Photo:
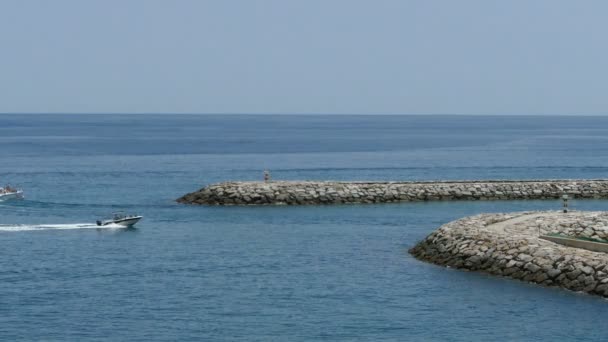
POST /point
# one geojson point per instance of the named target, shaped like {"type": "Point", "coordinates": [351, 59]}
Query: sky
{"type": "Point", "coordinates": [304, 56]}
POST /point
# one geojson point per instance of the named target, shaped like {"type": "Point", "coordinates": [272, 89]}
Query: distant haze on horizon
{"type": "Point", "coordinates": [477, 57]}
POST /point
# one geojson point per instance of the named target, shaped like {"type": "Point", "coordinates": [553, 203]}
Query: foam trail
{"type": "Point", "coordinates": [29, 227]}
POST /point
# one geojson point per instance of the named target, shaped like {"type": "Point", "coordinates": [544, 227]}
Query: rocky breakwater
{"type": "Point", "coordinates": [301, 192]}
{"type": "Point", "coordinates": [509, 245]}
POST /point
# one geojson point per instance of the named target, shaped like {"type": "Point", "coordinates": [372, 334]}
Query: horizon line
{"type": "Point", "coordinates": [287, 114]}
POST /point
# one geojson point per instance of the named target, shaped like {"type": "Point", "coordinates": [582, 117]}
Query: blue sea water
{"type": "Point", "coordinates": [338, 273]}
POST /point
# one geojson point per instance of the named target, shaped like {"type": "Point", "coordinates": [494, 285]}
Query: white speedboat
{"type": "Point", "coordinates": [9, 193]}
{"type": "Point", "coordinates": [121, 220]}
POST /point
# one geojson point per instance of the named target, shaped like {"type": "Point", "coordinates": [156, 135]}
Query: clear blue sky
{"type": "Point", "coordinates": [304, 56]}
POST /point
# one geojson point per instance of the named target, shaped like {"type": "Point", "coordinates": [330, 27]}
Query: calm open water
{"type": "Point", "coordinates": [272, 273]}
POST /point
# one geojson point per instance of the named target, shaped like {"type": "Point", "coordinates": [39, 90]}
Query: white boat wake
{"type": "Point", "coordinates": [29, 227]}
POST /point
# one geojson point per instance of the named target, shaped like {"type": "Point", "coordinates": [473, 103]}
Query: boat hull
{"type": "Point", "coordinates": [126, 222]}
{"type": "Point", "coordinates": [130, 222]}
{"type": "Point", "coordinates": [11, 196]}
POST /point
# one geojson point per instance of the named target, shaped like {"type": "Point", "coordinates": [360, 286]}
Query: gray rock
{"type": "Point", "coordinates": [517, 251]}
{"type": "Point", "coordinates": [368, 192]}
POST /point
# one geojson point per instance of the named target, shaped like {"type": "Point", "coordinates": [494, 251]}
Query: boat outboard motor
{"type": "Point", "coordinates": [98, 223]}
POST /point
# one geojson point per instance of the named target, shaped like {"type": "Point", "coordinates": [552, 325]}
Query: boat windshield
{"type": "Point", "coordinates": [120, 216]}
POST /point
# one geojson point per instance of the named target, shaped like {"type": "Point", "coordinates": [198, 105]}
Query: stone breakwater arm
{"type": "Point", "coordinates": [509, 245]}
{"type": "Point", "coordinates": [301, 192]}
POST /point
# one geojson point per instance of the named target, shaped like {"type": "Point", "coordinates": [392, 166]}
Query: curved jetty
{"type": "Point", "coordinates": [519, 246]}
{"type": "Point", "coordinates": [313, 192]}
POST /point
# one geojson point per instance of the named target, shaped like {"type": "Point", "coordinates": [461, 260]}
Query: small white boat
{"type": "Point", "coordinates": [10, 193]}
{"type": "Point", "coordinates": [121, 220]}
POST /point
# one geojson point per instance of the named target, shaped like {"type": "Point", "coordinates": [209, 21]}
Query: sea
{"type": "Point", "coordinates": [298, 273]}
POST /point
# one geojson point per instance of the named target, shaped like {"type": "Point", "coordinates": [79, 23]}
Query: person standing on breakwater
{"type": "Point", "coordinates": [266, 176]}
